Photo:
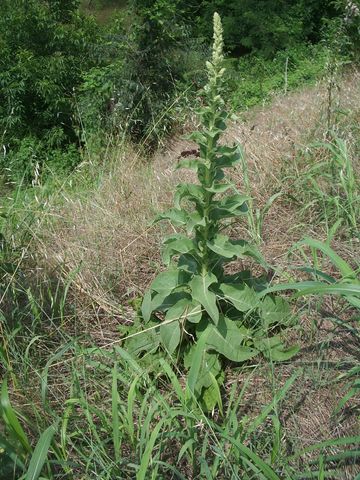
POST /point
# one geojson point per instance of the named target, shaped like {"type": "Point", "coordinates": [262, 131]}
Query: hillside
{"type": "Point", "coordinates": [179, 240]}
{"type": "Point", "coordinates": [99, 245]}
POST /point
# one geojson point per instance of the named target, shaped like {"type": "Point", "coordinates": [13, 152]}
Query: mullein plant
{"type": "Point", "coordinates": [195, 303]}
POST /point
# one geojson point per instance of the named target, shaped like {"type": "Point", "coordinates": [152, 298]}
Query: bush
{"type": "Point", "coordinates": [44, 48]}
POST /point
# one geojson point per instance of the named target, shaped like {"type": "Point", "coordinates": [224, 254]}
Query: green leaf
{"type": "Point", "coordinates": [230, 157]}
{"type": "Point", "coordinates": [176, 244]}
{"type": "Point", "coordinates": [274, 310]}
{"type": "Point", "coordinates": [211, 395]}
{"type": "Point", "coordinates": [189, 191]}
{"type": "Point", "coordinates": [146, 309]}
{"type": "Point", "coordinates": [339, 263]}
{"type": "Point", "coordinates": [200, 291]}
{"type": "Point", "coordinates": [241, 296]}
{"type": "Point", "coordinates": [144, 341]}
{"type": "Point", "coordinates": [162, 302]}
{"type": "Point", "coordinates": [218, 187]}
{"type": "Point", "coordinates": [194, 220]}
{"type": "Point", "coordinates": [231, 206]}
{"type": "Point", "coordinates": [143, 473]}
{"type": "Point", "coordinates": [188, 263]}
{"type": "Point", "coordinates": [170, 335]}
{"type": "Point", "coordinates": [40, 453]}
{"type": "Point", "coordinates": [227, 339]}
{"type": "Point", "coordinates": [190, 163]}
{"type": "Point", "coordinates": [167, 281]}
{"type": "Point", "coordinates": [235, 248]}
{"type": "Point", "coordinates": [199, 351]}
{"type": "Point", "coordinates": [185, 309]}
{"type": "Point", "coordinates": [274, 349]}
{"type": "Point", "coordinates": [177, 217]}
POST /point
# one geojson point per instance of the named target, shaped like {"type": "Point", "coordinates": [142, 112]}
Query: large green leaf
{"type": "Point", "coordinates": [167, 281]}
{"type": "Point", "coordinates": [274, 349]}
{"type": "Point", "coordinates": [176, 216]}
{"type": "Point", "coordinates": [227, 248]}
{"type": "Point", "coordinates": [143, 341]}
{"type": "Point", "coordinates": [229, 156]}
{"type": "Point", "coordinates": [274, 310]}
{"type": "Point", "coordinates": [227, 339]}
{"type": "Point", "coordinates": [200, 291]}
{"type": "Point", "coordinates": [162, 302]}
{"type": "Point", "coordinates": [231, 206]}
{"type": "Point", "coordinates": [211, 395]}
{"type": "Point", "coordinates": [209, 363]}
{"type": "Point", "coordinates": [176, 244]}
{"type": "Point", "coordinates": [146, 309]}
{"type": "Point", "coordinates": [170, 335]}
{"type": "Point", "coordinates": [189, 191]}
{"type": "Point", "coordinates": [163, 286]}
{"type": "Point", "coordinates": [241, 296]}
{"type": "Point", "coordinates": [185, 309]}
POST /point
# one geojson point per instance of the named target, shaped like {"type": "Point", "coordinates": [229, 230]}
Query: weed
{"type": "Point", "coordinates": [195, 299]}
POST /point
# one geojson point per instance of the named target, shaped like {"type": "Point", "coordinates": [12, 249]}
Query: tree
{"type": "Point", "coordinates": [44, 49]}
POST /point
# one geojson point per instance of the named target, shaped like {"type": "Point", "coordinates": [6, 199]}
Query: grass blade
{"type": "Point", "coordinates": [40, 453]}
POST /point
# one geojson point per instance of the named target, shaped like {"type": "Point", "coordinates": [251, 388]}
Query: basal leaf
{"type": "Point", "coordinates": [146, 309]}
{"type": "Point", "coordinates": [211, 395]}
{"type": "Point", "coordinates": [241, 296]}
{"type": "Point", "coordinates": [170, 335]}
{"type": "Point", "coordinates": [185, 309]}
{"type": "Point", "coordinates": [162, 302]}
{"type": "Point", "coordinates": [166, 281]}
{"type": "Point", "coordinates": [274, 349]}
{"type": "Point", "coordinates": [144, 341]}
{"type": "Point", "coordinates": [200, 291]}
{"type": "Point", "coordinates": [274, 310]}
{"type": "Point", "coordinates": [227, 339]}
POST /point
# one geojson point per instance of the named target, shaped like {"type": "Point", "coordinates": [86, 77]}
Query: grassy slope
{"type": "Point", "coordinates": [99, 243]}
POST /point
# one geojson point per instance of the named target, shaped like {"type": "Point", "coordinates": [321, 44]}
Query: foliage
{"type": "Point", "coordinates": [195, 296]}
{"type": "Point", "coordinates": [266, 26]}
{"type": "Point", "coordinates": [44, 48]}
{"type": "Point", "coordinates": [261, 78]}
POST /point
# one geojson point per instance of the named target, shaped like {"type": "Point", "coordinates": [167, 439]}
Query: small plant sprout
{"type": "Point", "coordinates": [196, 308]}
